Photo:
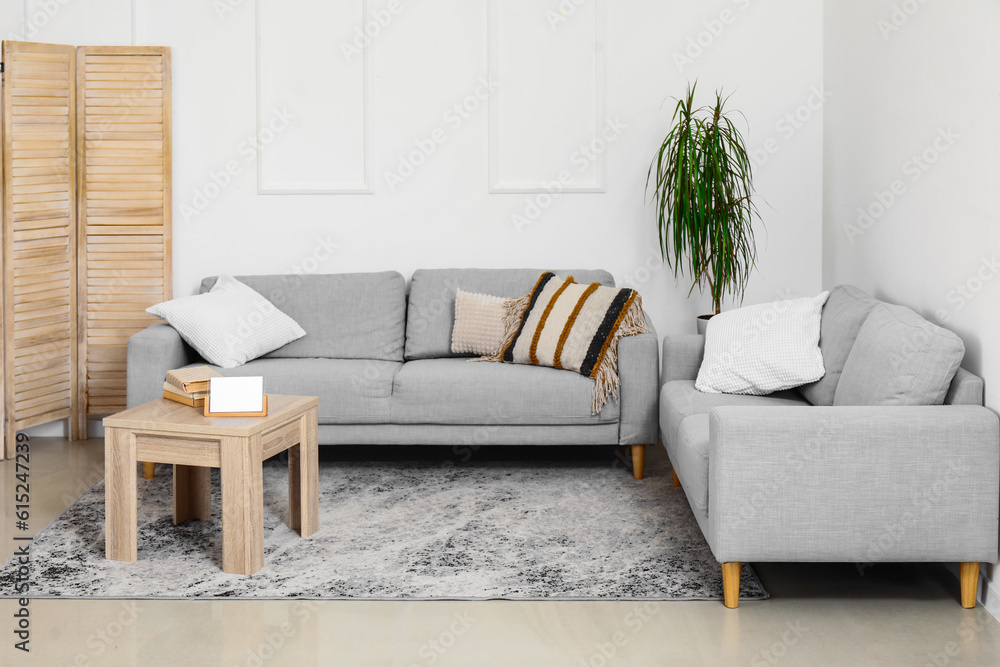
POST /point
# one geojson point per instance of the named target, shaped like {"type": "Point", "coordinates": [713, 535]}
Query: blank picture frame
{"type": "Point", "coordinates": [242, 396]}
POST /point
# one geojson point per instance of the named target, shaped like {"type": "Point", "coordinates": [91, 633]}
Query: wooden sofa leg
{"type": "Point", "coordinates": [638, 460]}
{"type": "Point", "coordinates": [970, 583]}
{"type": "Point", "coordinates": [731, 584]}
{"type": "Point", "coordinates": [148, 470]}
{"type": "Point", "coordinates": [677, 480]}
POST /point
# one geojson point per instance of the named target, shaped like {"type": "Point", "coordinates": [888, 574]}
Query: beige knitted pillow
{"type": "Point", "coordinates": [478, 323]}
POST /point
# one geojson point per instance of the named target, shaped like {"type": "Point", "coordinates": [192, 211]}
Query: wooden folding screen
{"type": "Point", "coordinates": [86, 231]}
{"type": "Point", "coordinates": [39, 237]}
{"type": "Point", "coordinates": [123, 124]}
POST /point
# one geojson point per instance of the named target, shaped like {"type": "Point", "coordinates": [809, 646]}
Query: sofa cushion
{"type": "Point", "coordinates": [478, 323]}
{"type": "Point", "coordinates": [430, 315]}
{"type": "Point", "coordinates": [679, 399]}
{"type": "Point", "coordinates": [462, 391]}
{"type": "Point", "coordinates": [345, 315]}
{"type": "Point", "coordinates": [350, 391]}
{"type": "Point", "coordinates": [899, 358]}
{"type": "Point", "coordinates": [690, 460]}
{"type": "Point", "coordinates": [846, 309]}
{"type": "Point", "coordinates": [763, 348]}
{"type": "Point", "coordinates": [230, 324]}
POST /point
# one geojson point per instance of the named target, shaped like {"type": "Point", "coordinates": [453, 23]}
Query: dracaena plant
{"type": "Point", "coordinates": [702, 185]}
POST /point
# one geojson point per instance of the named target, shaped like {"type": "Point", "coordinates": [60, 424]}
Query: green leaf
{"type": "Point", "coordinates": [702, 187]}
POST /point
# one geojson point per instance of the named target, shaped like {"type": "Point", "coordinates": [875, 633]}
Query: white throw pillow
{"type": "Point", "coordinates": [230, 324]}
{"type": "Point", "coordinates": [478, 323]}
{"type": "Point", "coordinates": [765, 348]}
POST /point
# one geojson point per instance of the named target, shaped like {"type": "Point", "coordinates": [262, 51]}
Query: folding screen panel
{"type": "Point", "coordinates": [123, 145]}
{"type": "Point", "coordinates": [85, 238]}
{"type": "Point", "coordinates": [39, 351]}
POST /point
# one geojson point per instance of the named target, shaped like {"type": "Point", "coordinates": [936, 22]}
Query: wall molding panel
{"type": "Point", "coordinates": [543, 112]}
{"type": "Point", "coordinates": [326, 148]}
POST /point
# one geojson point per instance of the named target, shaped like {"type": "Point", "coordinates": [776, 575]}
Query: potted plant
{"type": "Point", "coordinates": [703, 186]}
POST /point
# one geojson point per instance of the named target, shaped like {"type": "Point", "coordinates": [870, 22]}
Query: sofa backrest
{"type": "Point", "coordinates": [877, 353]}
{"type": "Point", "coordinates": [345, 315]}
{"type": "Point", "coordinates": [431, 311]}
{"type": "Point", "coordinates": [966, 389]}
{"type": "Point", "coordinates": [845, 310]}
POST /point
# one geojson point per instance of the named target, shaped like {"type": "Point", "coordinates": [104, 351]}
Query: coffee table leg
{"type": "Point", "coordinates": [120, 495]}
{"type": "Point", "coordinates": [242, 505]}
{"type": "Point", "coordinates": [294, 489]}
{"type": "Point", "coordinates": [309, 467]}
{"type": "Point", "coordinates": [303, 478]}
{"type": "Point", "coordinates": [192, 493]}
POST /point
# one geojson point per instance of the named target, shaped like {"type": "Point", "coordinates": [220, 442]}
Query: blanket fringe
{"type": "Point", "coordinates": [606, 377]}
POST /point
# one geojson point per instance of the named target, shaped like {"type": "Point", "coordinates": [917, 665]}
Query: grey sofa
{"type": "Point", "coordinates": [380, 362]}
{"type": "Point", "coordinates": [815, 474]}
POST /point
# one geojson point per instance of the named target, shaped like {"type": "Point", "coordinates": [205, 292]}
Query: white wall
{"type": "Point", "coordinates": [430, 56]}
{"type": "Point", "coordinates": [917, 83]}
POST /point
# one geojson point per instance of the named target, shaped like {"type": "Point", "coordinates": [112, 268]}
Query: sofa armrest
{"type": "Point", "coordinates": [682, 354]}
{"type": "Point", "coordinates": [860, 484]}
{"type": "Point", "coordinates": [638, 364]}
{"type": "Point", "coordinates": [151, 353]}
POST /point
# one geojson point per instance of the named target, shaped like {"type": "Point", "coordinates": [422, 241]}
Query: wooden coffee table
{"type": "Point", "coordinates": [163, 431]}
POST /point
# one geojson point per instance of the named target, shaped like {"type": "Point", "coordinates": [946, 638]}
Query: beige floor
{"type": "Point", "coordinates": [818, 615]}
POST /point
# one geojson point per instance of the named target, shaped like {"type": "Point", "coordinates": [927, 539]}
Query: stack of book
{"type": "Point", "coordinates": [189, 385]}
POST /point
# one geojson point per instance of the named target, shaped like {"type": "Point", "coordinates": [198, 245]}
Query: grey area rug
{"type": "Point", "coordinates": [408, 530]}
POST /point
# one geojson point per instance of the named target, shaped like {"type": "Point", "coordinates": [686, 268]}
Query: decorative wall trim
{"type": "Point", "coordinates": [364, 187]}
{"type": "Point", "coordinates": [600, 112]}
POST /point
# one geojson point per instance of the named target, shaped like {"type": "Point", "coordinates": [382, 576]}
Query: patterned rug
{"type": "Point", "coordinates": [577, 530]}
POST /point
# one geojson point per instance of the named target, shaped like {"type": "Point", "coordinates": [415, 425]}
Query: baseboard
{"type": "Point", "coordinates": [990, 594]}
{"type": "Point", "coordinates": [60, 429]}
{"type": "Point", "coordinates": [989, 591]}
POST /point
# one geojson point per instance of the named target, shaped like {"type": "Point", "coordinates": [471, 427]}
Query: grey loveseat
{"type": "Point", "coordinates": [816, 474]}
{"type": "Point", "coordinates": [380, 362]}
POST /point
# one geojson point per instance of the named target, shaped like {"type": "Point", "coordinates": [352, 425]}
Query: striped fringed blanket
{"type": "Point", "coordinates": [564, 324]}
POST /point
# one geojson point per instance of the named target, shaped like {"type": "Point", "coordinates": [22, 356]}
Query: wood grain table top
{"type": "Point", "coordinates": [169, 416]}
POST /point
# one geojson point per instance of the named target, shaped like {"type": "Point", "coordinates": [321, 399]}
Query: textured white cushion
{"type": "Point", "coordinates": [762, 349]}
{"type": "Point", "coordinates": [230, 324]}
{"type": "Point", "coordinates": [478, 323]}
